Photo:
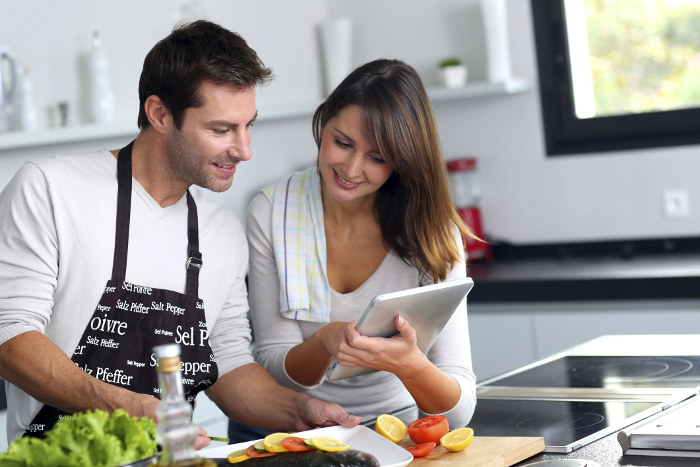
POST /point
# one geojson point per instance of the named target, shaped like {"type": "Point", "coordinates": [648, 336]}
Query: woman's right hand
{"type": "Point", "coordinates": [333, 335]}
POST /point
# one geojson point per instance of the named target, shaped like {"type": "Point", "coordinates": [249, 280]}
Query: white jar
{"type": "Point", "coordinates": [26, 110]}
{"type": "Point", "coordinates": [100, 100]}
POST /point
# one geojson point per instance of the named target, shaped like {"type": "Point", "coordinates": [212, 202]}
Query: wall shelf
{"type": "Point", "coordinates": [94, 132]}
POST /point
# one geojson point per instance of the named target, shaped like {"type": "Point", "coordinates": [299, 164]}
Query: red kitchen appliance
{"type": "Point", "coordinates": [466, 194]}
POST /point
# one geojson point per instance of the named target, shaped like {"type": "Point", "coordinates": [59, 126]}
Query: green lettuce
{"type": "Point", "coordinates": [89, 439]}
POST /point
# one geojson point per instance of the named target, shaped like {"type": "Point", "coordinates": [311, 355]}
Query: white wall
{"type": "Point", "coordinates": [527, 197]}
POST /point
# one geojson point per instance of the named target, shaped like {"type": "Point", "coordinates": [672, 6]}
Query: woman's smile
{"type": "Point", "coordinates": [343, 182]}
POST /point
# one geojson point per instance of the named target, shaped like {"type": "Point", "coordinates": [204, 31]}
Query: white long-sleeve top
{"type": "Point", "coordinates": [57, 228]}
{"type": "Point", "coordinates": [367, 395]}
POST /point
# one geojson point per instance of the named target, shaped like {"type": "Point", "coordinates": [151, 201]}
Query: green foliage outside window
{"type": "Point", "coordinates": [644, 54]}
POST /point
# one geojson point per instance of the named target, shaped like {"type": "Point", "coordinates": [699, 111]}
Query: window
{"type": "Point", "coordinates": [618, 74]}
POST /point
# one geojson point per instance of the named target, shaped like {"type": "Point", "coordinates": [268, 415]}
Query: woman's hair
{"type": "Point", "coordinates": [414, 206]}
{"type": "Point", "coordinates": [194, 52]}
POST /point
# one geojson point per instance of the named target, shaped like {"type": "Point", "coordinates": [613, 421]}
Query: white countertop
{"type": "Point", "coordinates": [643, 344]}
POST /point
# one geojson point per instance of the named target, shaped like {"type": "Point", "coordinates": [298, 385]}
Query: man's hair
{"type": "Point", "coordinates": [195, 52]}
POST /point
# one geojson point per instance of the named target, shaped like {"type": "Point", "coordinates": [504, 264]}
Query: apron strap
{"type": "Point", "coordinates": [121, 241]}
{"type": "Point", "coordinates": [194, 259]}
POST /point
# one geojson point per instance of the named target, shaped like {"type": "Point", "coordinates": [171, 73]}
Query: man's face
{"type": "Point", "coordinates": [214, 138]}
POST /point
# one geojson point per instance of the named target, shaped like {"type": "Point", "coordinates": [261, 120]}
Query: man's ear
{"type": "Point", "coordinates": [158, 115]}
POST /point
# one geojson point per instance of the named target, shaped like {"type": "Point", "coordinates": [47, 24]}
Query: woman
{"type": "Point", "coordinates": [374, 216]}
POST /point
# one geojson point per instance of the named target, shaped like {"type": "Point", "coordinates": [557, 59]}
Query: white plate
{"type": "Point", "coordinates": [360, 438]}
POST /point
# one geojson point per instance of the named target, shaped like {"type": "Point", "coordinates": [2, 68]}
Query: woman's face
{"type": "Point", "coordinates": [351, 169]}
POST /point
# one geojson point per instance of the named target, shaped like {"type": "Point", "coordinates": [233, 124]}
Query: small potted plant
{"type": "Point", "coordinates": [453, 73]}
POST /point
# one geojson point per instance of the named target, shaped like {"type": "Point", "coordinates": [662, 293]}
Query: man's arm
{"type": "Point", "coordinates": [36, 365]}
{"type": "Point", "coordinates": [250, 395]}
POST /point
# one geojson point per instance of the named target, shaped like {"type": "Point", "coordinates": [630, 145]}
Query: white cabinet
{"type": "Point", "coordinates": [501, 339]}
{"type": "Point", "coordinates": [506, 336]}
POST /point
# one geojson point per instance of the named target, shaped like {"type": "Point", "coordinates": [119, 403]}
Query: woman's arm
{"type": "Point", "coordinates": [451, 354]}
{"type": "Point", "coordinates": [308, 361]}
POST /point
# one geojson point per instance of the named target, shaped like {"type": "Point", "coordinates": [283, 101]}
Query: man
{"type": "Point", "coordinates": [173, 262]}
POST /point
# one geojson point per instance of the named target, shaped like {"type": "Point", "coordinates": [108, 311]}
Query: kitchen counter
{"type": "Point", "coordinates": [607, 451]}
{"type": "Point", "coordinates": [629, 270]}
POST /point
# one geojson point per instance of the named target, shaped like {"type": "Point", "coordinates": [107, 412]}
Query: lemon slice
{"type": "Point", "coordinates": [237, 456]}
{"type": "Point", "coordinates": [273, 442]}
{"type": "Point", "coordinates": [391, 428]}
{"type": "Point", "coordinates": [457, 440]}
{"type": "Point", "coordinates": [325, 443]}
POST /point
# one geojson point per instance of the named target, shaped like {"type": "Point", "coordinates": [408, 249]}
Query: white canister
{"type": "Point", "coordinates": [336, 51]}
{"type": "Point", "coordinates": [25, 111]}
{"type": "Point", "coordinates": [494, 14]}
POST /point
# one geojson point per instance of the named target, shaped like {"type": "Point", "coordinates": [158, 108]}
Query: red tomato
{"type": "Point", "coordinates": [294, 443]}
{"type": "Point", "coordinates": [430, 428]}
{"type": "Point", "coordinates": [251, 452]}
{"type": "Point", "coordinates": [422, 449]}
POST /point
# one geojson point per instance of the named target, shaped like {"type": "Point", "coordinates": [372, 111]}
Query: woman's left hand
{"type": "Point", "coordinates": [395, 354]}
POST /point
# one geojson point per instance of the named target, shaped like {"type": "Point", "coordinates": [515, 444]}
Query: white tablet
{"type": "Point", "coordinates": [427, 309]}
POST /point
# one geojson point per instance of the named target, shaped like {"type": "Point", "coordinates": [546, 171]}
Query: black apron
{"type": "Point", "coordinates": [130, 319]}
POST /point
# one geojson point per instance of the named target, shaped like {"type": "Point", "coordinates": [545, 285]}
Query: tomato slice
{"type": "Point", "coordinates": [422, 449]}
{"type": "Point", "coordinates": [251, 452]}
{"type": "Point", "coordinates": [294, 443]}
{"type": "Point", "coordinates": [430, 428]}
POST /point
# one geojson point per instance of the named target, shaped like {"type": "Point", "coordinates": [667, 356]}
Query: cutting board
{"type": "Point", "coordinates": [484, 451]}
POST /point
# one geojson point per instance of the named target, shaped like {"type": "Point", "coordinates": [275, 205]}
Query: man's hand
{"type": "Point", "coordinates": [269, 405]}
{"type": "Point", "coordinates": [202, 439]}
{"type": "Point", "coordinates": [317, 413]}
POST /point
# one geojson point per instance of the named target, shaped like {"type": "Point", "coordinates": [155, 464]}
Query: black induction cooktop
{"type": "Point", "coordinates": [564, 425]}
{"type": "Point", "coordinates": [572, 400]}
{"type": "Point", "coordinates": [608, 372]}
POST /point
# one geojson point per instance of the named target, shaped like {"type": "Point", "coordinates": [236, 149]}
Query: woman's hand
{"type": "Point", "coordinates": [433, 390]}
{"type": "Point", "coordinates": [398, 354]}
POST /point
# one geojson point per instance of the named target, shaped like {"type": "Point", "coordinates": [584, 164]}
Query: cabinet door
{"type": "Point", "coordinates": [501, 340]}
{"type": "Point", "coordinates": [560, 326]}
{"type": "Point", "coordinates": [208, 416]}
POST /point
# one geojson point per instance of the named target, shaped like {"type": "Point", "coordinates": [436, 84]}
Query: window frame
{"type": "Point", "coordinates": [564, 133]}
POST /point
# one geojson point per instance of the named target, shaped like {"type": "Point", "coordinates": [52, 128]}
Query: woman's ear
{"type": "Point", "coordinates": [157, 114]}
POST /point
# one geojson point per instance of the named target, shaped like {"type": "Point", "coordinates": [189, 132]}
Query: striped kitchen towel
{"type": "Point", "coordinates": [299, 241]}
